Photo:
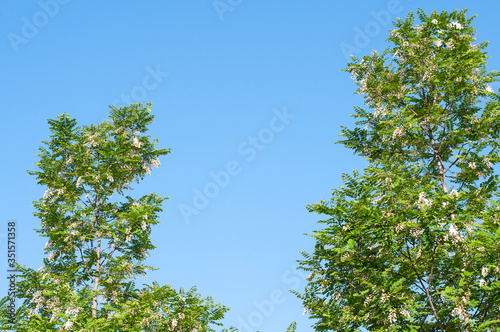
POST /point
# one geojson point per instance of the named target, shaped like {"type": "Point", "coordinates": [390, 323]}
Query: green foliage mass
{"type": "Point", "coordinates": [97, 243]}
{"type": "Point", "coordinates": [413, 243]}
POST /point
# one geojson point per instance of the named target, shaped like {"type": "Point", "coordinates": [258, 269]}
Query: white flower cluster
{"type": "Point", "coordinates": [48, 192]}
{"type": "Point", "coordinates": [455, 25]}
{"type": "Point", "coordinates": [434, 21]}
{"type": "Point", "coordinates": [419, 253]}
{"type": "Point", "coordinates": [368, 300]}
{"type": "Point", "coordinates": [51, 256]}
{"type": "Point", "coordinates": [155, 162]}
{"type": "Point", "coordinates": [461, 312]}
{"type": "Point", "coordinates": [416, 232]}
{"type": "Point", "coordinates": [38, 299]}
{"type": "Point", "coordinates": [438, 42]}
{"type": "Point", "coordinates": [147, 168]}
{"type": "Point", "coordinates": [405, 313]}
{"type": "Point", "coordinates": [487, 162]}
{"type": "Point", "coordinates": [423, 201]}
{"type": "Point", "coordinates": [484, 271]}
{"type": "Point", "coordinates": [488, 88]}
{"type": "Point", "coordinates": [345, 256]}
{"type": "Point", "coordinates": [74, 311]}
{"type": "Point", "coordinates": [392, 316]}
{"type": "Point", "coordinates": [136, 143]}
{"type": "Point", "coordinates": [455, 235]}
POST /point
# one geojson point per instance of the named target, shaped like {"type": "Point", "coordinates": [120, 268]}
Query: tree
{"type": "Point", "coordinates": [413, 243]}
{"type": "Point", "coordinates": [97, 244]}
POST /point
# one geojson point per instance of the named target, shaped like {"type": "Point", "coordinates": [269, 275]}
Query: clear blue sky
{"type": "Point", "coordinates": [217, 78]}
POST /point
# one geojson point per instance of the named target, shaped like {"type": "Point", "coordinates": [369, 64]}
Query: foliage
{"type": "Point", "coordinates": [413, 243]}
{"type": "Point", "coordinates": [96, 243]}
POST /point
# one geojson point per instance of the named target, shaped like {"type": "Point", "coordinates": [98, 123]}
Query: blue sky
{"type": "Point", "coordinates": [250, 97]}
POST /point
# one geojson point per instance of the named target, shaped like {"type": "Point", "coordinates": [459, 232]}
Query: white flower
{"type": "Point", "coordinates": [48, 192]}
{"type": "Point", "coordinates": [51, 256]}
{"type": "Point", "coordinates": [482, 282]}
{"type": "Point", "coordinates": [434, 21]}
{"type": "Point", "coordinates": [79, 182]}
{"type": "Point", "coordinates": [368, 300]}
{"type": "Point", "coordinates": [174, 322]}
{"type": "Point", "coordinates": [438, 42]}
{"type": "Point", "coordinates": [110, 179]}
{"type": "Point", "coordinates": [460, 312]}
{"type": "Point", "coordinates": [419, 253]}
{"type": "Point", "coordinates": [156, 163]}
{"type": "Point", "coordinates": [404, 313]}
{"type": "Point", "coordinates": [484, 272]}
{"type": "Point", "coordinates": [392, 316]}
{"type": "Point", "coordinates": [147, 168]}
{"type": "Point", "coordinates": [136, 142]}
{"type": "Point", "coordinates": [143, 226]}
{"type": "Point", "coordinates": [454, 193]}
{"type": "Point", "coordinates": [423, 201]}
{"type": "Point", "coordinates": [488, 89]}
{"type": "Point", "coordinates": [455, 25]}
{"type": "Point", "coordinates": [455, 234]}
{"type": "Point", "coordinates": [450, 44]}
{"type": "Point", "coordinates": [416, 232]}
{"type": "Point", "coordinates": [398, 133]}
{"type": "Point", "coordinates": [472, 165]}
{"type": "Point", "coordinates": [487, 162]}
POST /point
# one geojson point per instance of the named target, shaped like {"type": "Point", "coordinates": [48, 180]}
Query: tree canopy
{"type": "Point", "coordinates": [413, 243]}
